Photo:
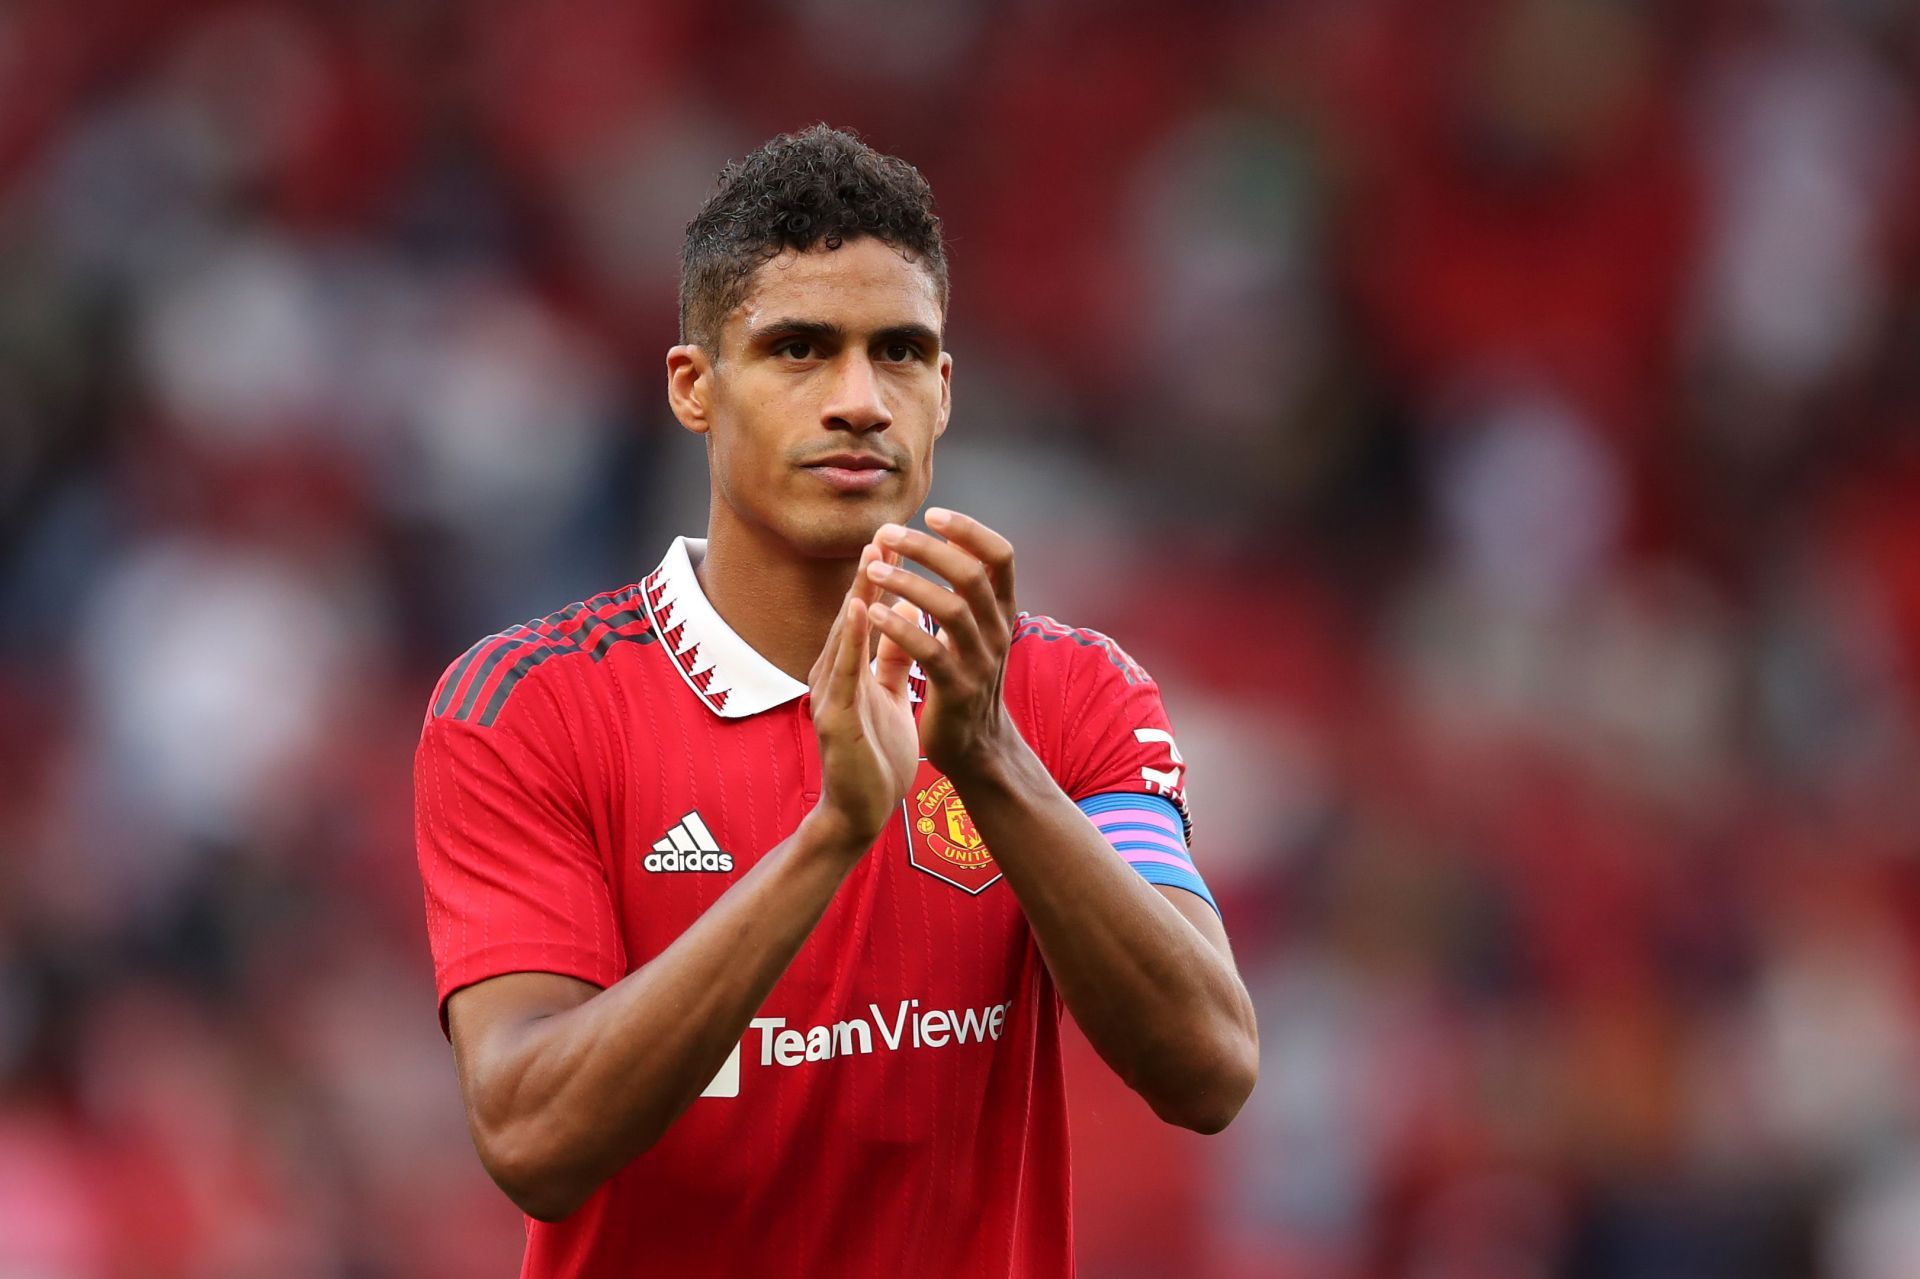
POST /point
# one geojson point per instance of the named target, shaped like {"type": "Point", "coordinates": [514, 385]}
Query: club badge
{"type": "Point", "coordinates": [941, 838]}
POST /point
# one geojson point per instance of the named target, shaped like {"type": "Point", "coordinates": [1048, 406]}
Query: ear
{"type": "Point", "coordinates": [946, 394]}
{"type": "Point", "coordinates": [690, 386]}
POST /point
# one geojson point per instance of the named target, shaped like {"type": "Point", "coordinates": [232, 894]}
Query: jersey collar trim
{"type": "Point", "coordinates": [723, 670]}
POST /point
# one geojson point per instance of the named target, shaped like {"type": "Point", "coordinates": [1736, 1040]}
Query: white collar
{"type": "Point", "coordinates": [722, 669]}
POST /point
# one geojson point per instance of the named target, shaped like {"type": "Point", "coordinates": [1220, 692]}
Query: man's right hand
{"type": "Point", "coordinates": [863, 718]}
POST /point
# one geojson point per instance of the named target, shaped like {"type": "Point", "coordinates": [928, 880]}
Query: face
{"type": "Point", "coordinates": [823, 402]}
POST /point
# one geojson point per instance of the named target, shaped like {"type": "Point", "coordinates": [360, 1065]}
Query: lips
{"type": "Point", "coordinates": [852, 472]}
{"type": "Point", "coordinates": [853, 462]}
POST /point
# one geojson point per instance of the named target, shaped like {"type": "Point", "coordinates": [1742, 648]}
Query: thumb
{"type": "Point", "coordinates": [893, 663]}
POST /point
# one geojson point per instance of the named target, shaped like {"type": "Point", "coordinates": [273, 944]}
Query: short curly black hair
{"type": "Point", "coordinates": [821, 186]}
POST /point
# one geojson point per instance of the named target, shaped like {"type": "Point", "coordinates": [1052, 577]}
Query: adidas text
{"type": "Point", "coordinates": [689, 861]}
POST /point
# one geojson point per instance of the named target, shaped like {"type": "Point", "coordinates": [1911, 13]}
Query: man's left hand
{"type": "Point", "coordinates": [964, 722]}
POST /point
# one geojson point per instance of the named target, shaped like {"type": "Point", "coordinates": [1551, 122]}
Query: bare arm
{"type": "Point", "coordinates": [1146, 972]}
{"type": "Point", "coordinates": [565, 1084]}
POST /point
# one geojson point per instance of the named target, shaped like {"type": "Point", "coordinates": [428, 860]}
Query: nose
{"type": "Point", "coordinates": [854, 400]}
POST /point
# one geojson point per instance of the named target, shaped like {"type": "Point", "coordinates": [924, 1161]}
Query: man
{"type": "Point", "coordinates": [754, 900]}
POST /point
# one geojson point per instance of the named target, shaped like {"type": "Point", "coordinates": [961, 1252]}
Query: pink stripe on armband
{"type": "Point", "coordinates": [1153, 816]}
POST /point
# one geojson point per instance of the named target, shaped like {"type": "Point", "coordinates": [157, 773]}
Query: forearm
{"type": "Point", "coordinates": [570, 1098]}
{"type": "Point", "coordinates": [1159, 1002]}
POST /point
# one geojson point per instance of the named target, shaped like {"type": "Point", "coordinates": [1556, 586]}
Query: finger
{"type": "Point", "coordinates": [894, 664]}
{"type": "Point", "coordinates": [898, 625]}
{"type": "Point", "coordinates": [864, 590]}
{"type": "Point", "coordinates": [992, 550]}
{"type": "Point", "coordinates": [991, 627]}
{"type": "Point", "coordinates": [850, 659]}
{"type": "Point", "coordinates": [962, 569]}
{"type": "Point", "coordinates": [954, 614]}
{"type": "Point", "coordinates": [824, 663]}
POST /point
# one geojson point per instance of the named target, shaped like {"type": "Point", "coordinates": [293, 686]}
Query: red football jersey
{"type": "Point", "coordinates": [589, 783]}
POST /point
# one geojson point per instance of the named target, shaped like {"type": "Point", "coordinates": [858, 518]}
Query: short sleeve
{"type": "Point", "coordinates": [1117, 758]}
{"type": "Point", "coordinates": [1117, 738]}
{"type": "Point", "coordinates": [513, 879]}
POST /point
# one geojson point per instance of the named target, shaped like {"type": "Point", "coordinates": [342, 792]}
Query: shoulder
{"type": "Point", "coordinates": [1091, 711]}
{"type": "Point", "coordinates": [1046, 645]}
{"type": "Point", "coordinates": [476, 688]}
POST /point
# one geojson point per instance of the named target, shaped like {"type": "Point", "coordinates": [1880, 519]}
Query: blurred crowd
{"type": "Point", "coordinates": [1495, 422]}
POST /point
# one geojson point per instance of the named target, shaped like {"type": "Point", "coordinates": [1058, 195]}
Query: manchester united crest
{"type": "Point", "coordinates": [941, 838]}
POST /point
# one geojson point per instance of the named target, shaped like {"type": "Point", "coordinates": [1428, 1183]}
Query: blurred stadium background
{"type": "Point", "coordinates": [1494, 423]}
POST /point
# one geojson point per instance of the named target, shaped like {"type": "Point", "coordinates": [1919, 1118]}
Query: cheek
{"type": "Point", "coordinates": [779, 410]}
{"type": "Point", "coordinates": [742, 461]}
{"type": "Point", "coordinates": [749, 451]}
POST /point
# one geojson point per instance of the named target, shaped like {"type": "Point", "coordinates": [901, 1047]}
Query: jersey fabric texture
{"type": "Point", "coordinates": [588, 784]}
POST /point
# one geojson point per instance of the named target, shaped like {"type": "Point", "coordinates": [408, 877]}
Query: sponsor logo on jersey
{"type": "Point", "coordinates": [727, 1082]}
{"type": "Point", "coordinates": [941, 838]}
{"type": "Point", "coordinates": [906, 1025]}
{"type": "Point", "coordinates": [903, 1027]}
{"type": "Point", "coordinates": [688, 846]}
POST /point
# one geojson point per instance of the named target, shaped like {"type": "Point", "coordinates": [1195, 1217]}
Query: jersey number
{"type": "Point", "coordinates": [1166, 780]}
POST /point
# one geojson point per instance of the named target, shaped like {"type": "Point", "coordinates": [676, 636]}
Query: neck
{"type": "Point", "coordinates": [780, 603]}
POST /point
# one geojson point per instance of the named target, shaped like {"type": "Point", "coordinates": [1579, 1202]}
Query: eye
{"type": "Point", "coordinates": [797, 349]}
{"type": "Point", "coordinates": [901, 352]}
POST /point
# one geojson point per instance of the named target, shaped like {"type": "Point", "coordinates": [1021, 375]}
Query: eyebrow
{"type": "Point", "coordinates": [787, 328]}
{"type": "Point", "coordinates": [916, 333]}
{"type": "Point", "coordinates": [781, 329]}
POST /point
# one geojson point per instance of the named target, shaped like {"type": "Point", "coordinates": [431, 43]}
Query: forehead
{"type": "Point", "coordinates": [863, 284]}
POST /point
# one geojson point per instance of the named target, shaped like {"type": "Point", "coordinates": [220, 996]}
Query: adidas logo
{"type": "Point", "coordinates": [688, 845]}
